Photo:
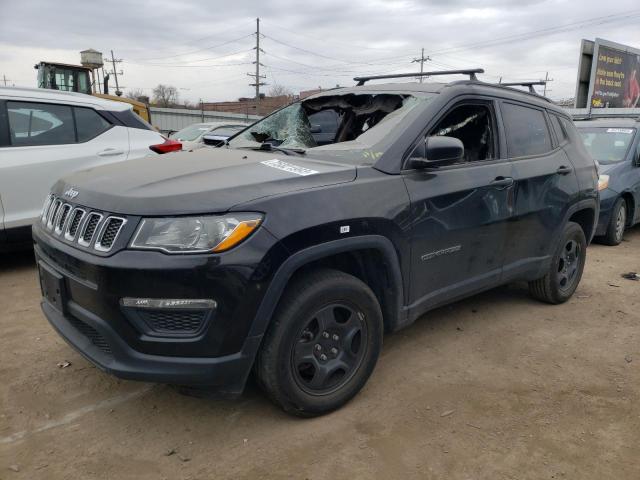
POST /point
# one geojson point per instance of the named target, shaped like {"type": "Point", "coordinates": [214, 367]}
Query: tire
{"type": "Point", "coordinates": [565, 271]}
{"type": "Point", "coordinates": [617, 224]}
{"type": "Point", "coordinates": [322, 344]}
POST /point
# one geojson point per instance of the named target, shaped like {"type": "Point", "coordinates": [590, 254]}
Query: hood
{"type": "Point", "coordinates": [610, 168]}
{"type": "Point", "coordinates": [202, 181]}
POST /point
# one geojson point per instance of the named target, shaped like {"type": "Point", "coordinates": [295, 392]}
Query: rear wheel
{"type": "Point", "coordinates": [323, 343]}
{"type": "Point", "coordinates": [617, 224]}
{"type": "Point", "coordinates": [565, 271]}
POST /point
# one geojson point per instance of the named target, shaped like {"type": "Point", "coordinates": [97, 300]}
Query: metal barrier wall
{"type": "Point", "coordinates": [169, 120]}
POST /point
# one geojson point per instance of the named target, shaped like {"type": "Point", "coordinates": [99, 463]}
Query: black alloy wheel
{"type": "Point", "coordinates": [330, 348]}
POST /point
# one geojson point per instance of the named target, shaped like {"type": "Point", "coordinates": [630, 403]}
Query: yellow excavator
{"type": "Point", "coordinates": [84, 79]}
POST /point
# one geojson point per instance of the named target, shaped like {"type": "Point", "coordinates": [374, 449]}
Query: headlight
{"type": "Point", "coordinates": [195, 234]}
{"type": "Point", "coordinates": [603, 182]}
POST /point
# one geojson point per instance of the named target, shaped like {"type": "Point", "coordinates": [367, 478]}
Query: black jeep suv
{"type": "Point", "coordinates": [292, 248]}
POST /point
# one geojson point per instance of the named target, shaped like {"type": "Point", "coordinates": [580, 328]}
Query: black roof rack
{"type": "Point", "coordinates": [470, 72]}
{"type": "Point", "coordinates": [524, 84]}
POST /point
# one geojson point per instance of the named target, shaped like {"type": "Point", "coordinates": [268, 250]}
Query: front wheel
{"type": "Point", "coordinates": [323, 343]}
{"type": "Point", "coordinates": [565, 271]}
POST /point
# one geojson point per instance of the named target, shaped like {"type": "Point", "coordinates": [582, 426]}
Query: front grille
{"type": "Point", "coordinates": [53, 212]}
{"type": "Point", "coordinates": [89, 228]}
{"type": "Point", "coordinates": [62, 218]}
{"type": "Point", "coordinates": [74, 223]}
{"type": "Point", "coordinates": [110, 231]}
{"type": "Point", "coordinates": [45, 209]}
{"type": "Point", "coordinates": [92, 334]}
{"type": "Point", "coordinates": [174, 321]}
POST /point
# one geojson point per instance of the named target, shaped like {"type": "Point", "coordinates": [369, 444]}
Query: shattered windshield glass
{"type": "Point", "coordinates": [346, 126]}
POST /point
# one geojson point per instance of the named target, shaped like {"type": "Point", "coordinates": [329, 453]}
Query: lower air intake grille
{"type": "Point", "coordinates": [167, 321]}
{"type": "Point", "coordinates": [92, 334]}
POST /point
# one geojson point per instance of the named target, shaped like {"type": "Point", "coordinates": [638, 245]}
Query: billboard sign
{"type": "Point", "coordinates": [615, 76]}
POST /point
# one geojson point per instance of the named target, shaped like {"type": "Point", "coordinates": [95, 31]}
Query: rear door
{"type": "Point", "coordinates": [46, 142]}
{"type": "Point", "coordinates": [545, 183]}
{"type": "Point", "coordinates": [459, 213]}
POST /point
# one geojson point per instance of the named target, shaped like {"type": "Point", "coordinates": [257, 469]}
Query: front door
{"type": "Point", "coordinates": [459, 213]}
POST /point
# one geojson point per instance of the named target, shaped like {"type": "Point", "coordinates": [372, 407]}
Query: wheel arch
{"type": "Point", "coordinates": [627, 196]}
{"type": "Point", "coordinates": [585, 214]}
{"type": "Point", "coordinates": [359, 256]}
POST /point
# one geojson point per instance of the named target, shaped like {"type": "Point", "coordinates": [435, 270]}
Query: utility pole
{"type": "Point", "coordinates": [546, 80]}
{"type": "Point", "coordinates": [115, 73]}
{"type": "Point", "coordinates": [421, 60]}
{"type": "Point", "coordinates": [4, 77]}
{"type": "Point", "coordinates": [256, 76]}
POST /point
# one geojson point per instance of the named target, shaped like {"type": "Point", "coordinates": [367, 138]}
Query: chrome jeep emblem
{"type": "Point", "coordinates": [71, 193]}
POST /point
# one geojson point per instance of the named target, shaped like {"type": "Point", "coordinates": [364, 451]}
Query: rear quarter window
{"type": "Point", "coordinates": [89, 124]}
{"type": "Point", "coordinates": [129, 119]}
{"type": "Point", "coordinates": [527, 130]}
{"type": "Point", "coordinates": [560, 132]}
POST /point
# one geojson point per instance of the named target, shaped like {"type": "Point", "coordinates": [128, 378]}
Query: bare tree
{"type": "Point", "coordinates": [165, 95]}
{"type": "Point", "coordinates": [135, 94]}
{"type": "Point", "coordinates": [278, 90]}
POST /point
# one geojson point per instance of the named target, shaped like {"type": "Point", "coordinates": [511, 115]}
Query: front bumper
{"type": "Point", "coordinates": [607, 200]}
{"type": "Point", "coordinates": [93, 320]}
{"type": "Point", "coordinates": [94, 339]}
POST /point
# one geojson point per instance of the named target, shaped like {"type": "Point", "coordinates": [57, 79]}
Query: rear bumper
{"type": "Point", "coordinates": [95, 340]}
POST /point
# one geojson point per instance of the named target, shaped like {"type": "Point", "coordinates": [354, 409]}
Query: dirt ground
{"type": "Point", "coordinates": [494, 387]}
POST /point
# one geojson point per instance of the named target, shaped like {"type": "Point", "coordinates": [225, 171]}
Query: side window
{"type": "Point", "coordinates": [527, 131]}
{"type": "Point", "coordinates": [89, 123]}
{"type": "Point", "coordinates": [557, 128]}
{"type": "Point", "coordinates": [40, 124]}
{"type": "Point", "coordinates": [473, 125]}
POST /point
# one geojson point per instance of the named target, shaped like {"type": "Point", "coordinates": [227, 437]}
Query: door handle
{"type": "Point", "coordinates": [110, 152]}
{"type": "Point", "coordinates": [502, 182]}
{"type": "Point", "coordinates": [564, 170]}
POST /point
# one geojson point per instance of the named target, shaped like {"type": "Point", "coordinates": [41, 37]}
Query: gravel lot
{"type": "Point", "coordinates": [494, 387]}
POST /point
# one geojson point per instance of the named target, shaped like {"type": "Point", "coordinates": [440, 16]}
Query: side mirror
{"type": "Point", "coordinates": [316, 128]}
{"type": "Point", "coordinates": [213, 140]}
{"type": "Point", "coordinates": [439, 151]}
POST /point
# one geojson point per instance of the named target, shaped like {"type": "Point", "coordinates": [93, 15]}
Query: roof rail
{"type": "Point", "coordinates": [524, 84]}
{"type": "Point", "coordinates": [470, 72]}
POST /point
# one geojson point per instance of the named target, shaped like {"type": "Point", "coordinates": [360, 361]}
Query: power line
{"type": "Point", "coordinates": [184, 63]}
{"type": "Point", "coordinates": [622, 16]}
{"type": "Point", "coordinates": [191, 42]}
{"type": "Point", "coordinates": [198, 50]}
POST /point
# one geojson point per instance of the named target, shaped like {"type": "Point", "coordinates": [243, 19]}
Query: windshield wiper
{"type": "Point", "coordinates": [269, 147]}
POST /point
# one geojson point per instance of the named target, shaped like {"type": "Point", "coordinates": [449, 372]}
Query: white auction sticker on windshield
{"type": "Point", "coordinates": [288, 167]}
{"type": "Point", "coordinates": [628, 131]}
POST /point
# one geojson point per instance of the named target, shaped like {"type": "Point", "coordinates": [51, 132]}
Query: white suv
{"type": "Point", "coordinates": [47, 134]}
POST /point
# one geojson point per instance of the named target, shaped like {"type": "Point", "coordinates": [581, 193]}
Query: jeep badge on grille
{"type": "Point", "coordinates": [71, 193]}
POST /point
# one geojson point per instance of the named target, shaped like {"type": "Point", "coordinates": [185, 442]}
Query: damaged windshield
{"type": "Point", "coordinates": [346, 126]}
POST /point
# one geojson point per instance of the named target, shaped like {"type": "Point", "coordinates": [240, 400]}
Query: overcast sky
{"type": "Point", "coordinates": [205, 47]}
